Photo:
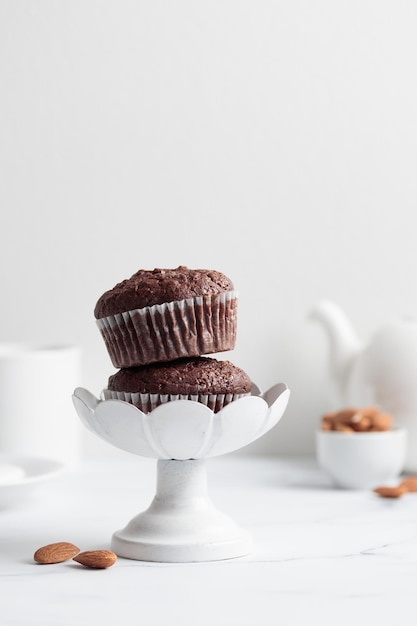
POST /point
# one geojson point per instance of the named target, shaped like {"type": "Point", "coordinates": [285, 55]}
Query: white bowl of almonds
{"type": "Point", "coordinates": [359, 448]}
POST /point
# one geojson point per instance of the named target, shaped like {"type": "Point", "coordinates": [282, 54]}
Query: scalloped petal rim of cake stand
{"type": "Point", "coordinates": [182, 429]}
{"type": "Point", "coordinates": [181, 524]}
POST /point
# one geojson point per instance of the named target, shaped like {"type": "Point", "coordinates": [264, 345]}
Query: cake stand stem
{"type": "Point", "coordinates": [181, 484]}
{"type": "Point", "coordinates": [181, 524]}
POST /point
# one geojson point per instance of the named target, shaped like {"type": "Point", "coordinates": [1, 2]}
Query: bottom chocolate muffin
{"type": "Point", "coordinates": [202, 379]}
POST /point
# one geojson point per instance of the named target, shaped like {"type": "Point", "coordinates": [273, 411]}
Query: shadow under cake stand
{"type": "Point", "coordinates": [181, 524]}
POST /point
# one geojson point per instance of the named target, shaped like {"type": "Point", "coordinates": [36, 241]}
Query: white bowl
{"type": "Point", "coordinates": [362, 460]}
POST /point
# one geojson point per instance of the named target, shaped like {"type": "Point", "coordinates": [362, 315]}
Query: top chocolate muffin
{"type": "Point", "coordinates": [165, 314]}
{"type": "Point", "coordinates": [157, 286]}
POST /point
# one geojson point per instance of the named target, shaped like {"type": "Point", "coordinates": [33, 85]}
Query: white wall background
{"type": "Point", "coordinates": [272, 140]}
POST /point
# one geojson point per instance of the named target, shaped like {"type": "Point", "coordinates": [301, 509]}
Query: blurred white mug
{"type": "Point", "coordinates": [37, 417]}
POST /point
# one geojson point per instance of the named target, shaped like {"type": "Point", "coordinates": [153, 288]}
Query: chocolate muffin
{"type": "Point", "coordinates": [162, 315]}
{"type": "Point", "coordinates": [202, 379]}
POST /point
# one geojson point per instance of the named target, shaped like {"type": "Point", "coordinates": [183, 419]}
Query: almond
{"type": "Point", "coordinates": [343, 428]}
{"type": "Point", "coordinates": [99, 559]}
{"type": "Point", "coordinates": [55, 553]}
{"type": "Point", "coordinates": [369, 411]}
{"type": "Point", "coordinates": [344, 416]}
{"type": "Point", "coordinates": [363, 424]}
{"type": "Point", "coordinates": [391, 492]}
{"type": "Point", "coordinates": [410, 482]}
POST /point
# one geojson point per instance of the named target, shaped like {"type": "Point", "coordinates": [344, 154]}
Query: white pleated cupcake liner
{"type": "Point", "coordinates": [147, 402]}
{"type": "Point", "coordinates": [170, 331]}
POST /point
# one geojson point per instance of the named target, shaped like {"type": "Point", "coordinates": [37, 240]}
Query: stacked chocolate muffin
{"type": "Point", "coordinates": [158, 324]}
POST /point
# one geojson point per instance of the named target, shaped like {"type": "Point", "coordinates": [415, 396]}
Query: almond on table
{"type": "Point", "coordinates": [391, 492]}
{"type": "Point", "coordinates": [407, 485]}
{"type": "Point", "coordinates": [55, 553]}
{"type": "Point", "coordinates": [98, 559]}
{"type": "Point", "coordinates": [410, 482]}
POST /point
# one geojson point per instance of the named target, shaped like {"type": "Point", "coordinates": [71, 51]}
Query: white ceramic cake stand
{"type": "Point", "coordinates": [182, 524]}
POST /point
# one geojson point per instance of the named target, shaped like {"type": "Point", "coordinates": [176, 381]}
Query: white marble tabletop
{"type": "Point", "coordinates": [321, 555]}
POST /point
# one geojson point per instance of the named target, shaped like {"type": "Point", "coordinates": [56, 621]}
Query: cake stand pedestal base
{"type": "Point", "coordinates": [181, 524]}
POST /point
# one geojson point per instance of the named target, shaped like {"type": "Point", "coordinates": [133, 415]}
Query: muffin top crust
{"type": "Point", "coordinates": [157, 286]}
{"type": "Point", "coordinates": [199, 375]}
